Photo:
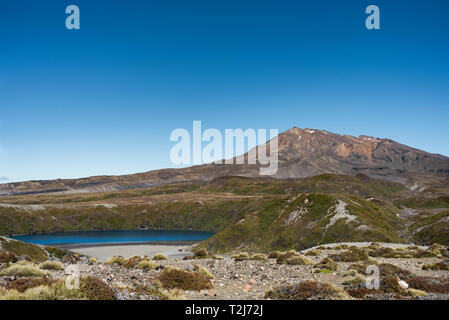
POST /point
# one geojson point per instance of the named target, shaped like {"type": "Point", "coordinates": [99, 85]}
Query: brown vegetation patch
{"type": "Point", "coordinates": [96, 289]}
{"type": "Point", "coordinates": [172, 278]}
{"type": "Point", "coordinates": [429, 284]}
{"type": "Point", "coordinates": [350, 255]}
{"type": "Point", "coordinates": [307, 290]}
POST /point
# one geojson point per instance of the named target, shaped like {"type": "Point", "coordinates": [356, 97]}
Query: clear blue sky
{"type": "Point", "coordinates": [104, 99]}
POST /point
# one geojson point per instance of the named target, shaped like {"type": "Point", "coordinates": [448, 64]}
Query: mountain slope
{"type": "Point", "coordinates": [302, 153]}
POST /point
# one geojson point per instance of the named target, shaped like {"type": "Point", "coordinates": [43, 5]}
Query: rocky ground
{"type": "Point", "coordinates": [408, 271]}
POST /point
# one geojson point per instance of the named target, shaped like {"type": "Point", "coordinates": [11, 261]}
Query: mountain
{"type": "Point", "coordinates": [302, 153]}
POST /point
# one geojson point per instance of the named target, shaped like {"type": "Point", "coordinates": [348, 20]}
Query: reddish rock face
{"type": "Point", "coordinates": [302, 153]}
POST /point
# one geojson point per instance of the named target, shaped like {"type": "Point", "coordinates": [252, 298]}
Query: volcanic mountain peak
{"type": "Point", "coordinates": [301, 152]}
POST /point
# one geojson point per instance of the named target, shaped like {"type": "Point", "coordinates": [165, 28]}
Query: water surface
{"type": "Point", "coordinates": [102, 237]}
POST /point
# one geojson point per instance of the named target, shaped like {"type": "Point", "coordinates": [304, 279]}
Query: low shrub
{"type": "Point", "coordinates": [23, 284]}
{"type": "Point", "coordinates": [159, 256]}
{"type": "Point", "coordinates": [172, 278]}
{"type": "Point", "coordinates": [259, 256]}
{"type": "Point", "coordinates": [204, 271]}
{"type": "Point", "coordinates": [57, 253]}
{"type": "Point", "coordinates": [274, 254]}
{"type": "Point", "coordinates": [96, 289]}
{"type": "Point", "coordinates": [386, 270]}
{"type": "Point", "coordinates": [240, 256]}
{"type": "Point", "coordinates": [429, 284]}
{"type": "Point", "coordinates": [350, 255]}
{"type": "Point", "coordinates": [146, 265]}
{"type": "Point", "coordinates": [115, 260]}
{"type": "Point", "coordinates": [131, 262]}
{"type": "Point", "coordinates": [350, 273]}
{"type": "Point", "coordinates": [354, 281]}
{"type": "Point", "coordinates": [298, 260]}
{"type": "Point", "coordinates": [19, 270]}
{"type": "Point", "coordinates": [415, 293]}
{"type": "Point", "coordinates": [71, 258]}
{"type": "Point", "coordinates": [55, 291]}
{"type": "Point", "coordinates": [51, 265]}
{"type": "Point", "coordinates": [442, 265]}
{"type": "Point", "coordinates": [313, 253]}
{"type": "Point", "coordinates": [6, 257]}
{"type": "Point", "coordinates": [328, 264]}
{"type": "Point", "coordinates": [308, 290]}
{"type": "Point", "coordinates": [201, 253]}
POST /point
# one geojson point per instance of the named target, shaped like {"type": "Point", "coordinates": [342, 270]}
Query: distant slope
{"type": "Point", "coordinates": [302, 153]}
{"type": "Point", "coordinates": [252, 213]}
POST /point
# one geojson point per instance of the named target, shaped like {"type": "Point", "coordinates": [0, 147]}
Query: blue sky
{"type": "Point", "coordinates": [104, 99]}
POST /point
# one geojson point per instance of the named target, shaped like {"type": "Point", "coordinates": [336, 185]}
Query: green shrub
{"type": "Point", "coordinates": [51, 265]}
{"type": "Point", "coordinates": [55, 291]}
{"type": "Point", "coordinates": [131, 262]}
{"type": "Point", "coordinates": [23, 284]}
{"type": "Point", "coordinates": [274, 254]}
{"type": "Point", "coordinates": [172, 278]}
{"type": "Point", "coordinates": [57, 253]}
{"type": "Point", "coordinates": [116, 260]}
{"type": "Point", "coordinates": [350, 273]}
{"type": "Point", "coordinates": [71, 258]}
{"type": "Point", "coordinates": [259, 256]}
{"type": "Point", "coordinates": [298, 260]}
{"type": "Point", "coordinates": [23, 249]}
{"type": "Point", "coordinates": [159, 256]}
{"type": "Point", "coordinates": [240, 256]}
{"type": "Point", "coordinates": [356, 280]}
{"type": "Point", "coordinates": [351, 255]}
{"type": "Point", "coordinates": [328, 264]}
{"type": "Point", "coordinates": [19, 270]}
{"type": "Point", "coordinates": [313, 253]}
{"type": "Point", "coordinates": [437, 266]}
{"type": "Point", "coordinates": [204, 271]}
{"type": "Point", "coordinates": [201, 254]}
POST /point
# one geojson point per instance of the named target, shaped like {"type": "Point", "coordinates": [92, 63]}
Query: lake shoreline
{"type": "Point", "coordinates": [105, 251]}
{"type": "Point", "coordinates": [70, 246]}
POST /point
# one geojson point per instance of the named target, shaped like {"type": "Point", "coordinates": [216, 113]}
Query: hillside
{"type": "Point", "coordinates": [257, 214]}
{"type": "Point", "coordinates": [302, 153]}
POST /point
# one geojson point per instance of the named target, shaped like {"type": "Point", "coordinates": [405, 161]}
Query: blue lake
{"type": "Point", "coordinates": [101, 237]}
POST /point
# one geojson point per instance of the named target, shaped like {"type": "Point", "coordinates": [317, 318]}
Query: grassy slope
{"type": "Point", "coordinates": [250, 213]}
{"type": "Point", "coordinates": [270, 228]}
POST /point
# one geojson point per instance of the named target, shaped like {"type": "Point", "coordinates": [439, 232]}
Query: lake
{"type": "Point", "coordinates": [112, 237]}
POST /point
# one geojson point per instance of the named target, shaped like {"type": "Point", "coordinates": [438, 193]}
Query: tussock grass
{"type": "Point", "coordinates": [201, 253]}
{"type": "Point", "coordinates": [159, 256]}
{"type": "Point", "coordinates": [20, 270]}
{"type": "Point", "coordinates": [241, 256]}
{"type": "Point", "coordinates": [259, 256]}
{"type": "Point", "coordinates": [299, 260]}
{"type": "Point", "coordinates": [204, 271]}
{"type": "Point", "coordinates": [116, 260]}
{"type": "Point", "coordinates": [146, 265]}
{"type": "Point", "coordinates": [51, 265]}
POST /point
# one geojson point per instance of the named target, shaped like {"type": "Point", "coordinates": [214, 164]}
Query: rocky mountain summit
{"type": "Point", "coordinates": [302, 153]}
